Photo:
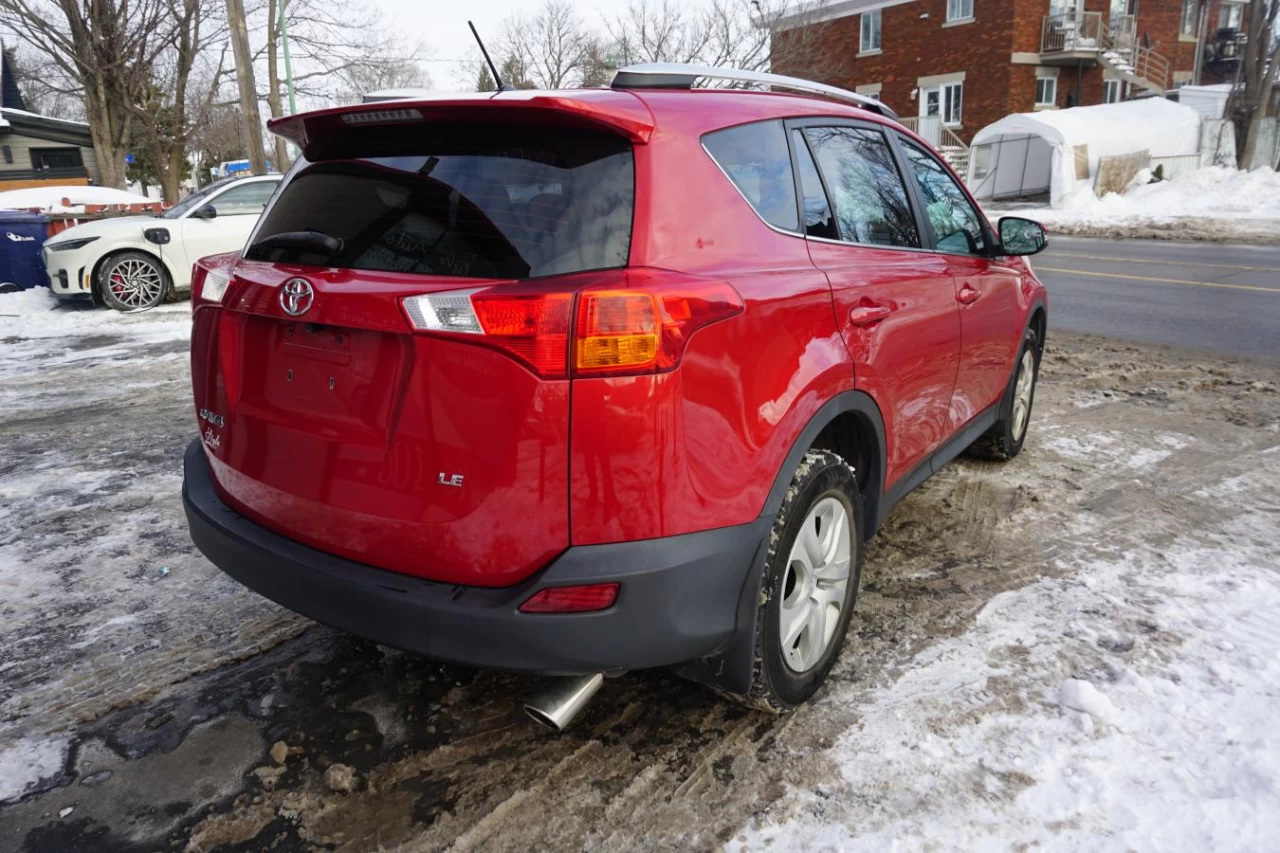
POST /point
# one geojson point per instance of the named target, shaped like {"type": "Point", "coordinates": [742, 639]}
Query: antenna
{"type": "Point", "coordinates": [502, 87]}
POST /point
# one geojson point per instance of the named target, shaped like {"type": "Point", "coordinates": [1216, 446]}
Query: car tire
{"type": "Point", "coordinates": [133, 281]}
{"type": "Point", "coordinates": [1005, 438]}
{"type": "Point", "coordinates": [787, 672]}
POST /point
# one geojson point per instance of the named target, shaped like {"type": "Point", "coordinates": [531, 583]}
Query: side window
{"type": "Point", "coordinates": [866, 189]}
{"type": "Point", "coordinates": [248, 198]}
{"type": "Point", "coordinates": [755, 158]}
{"type": "Point", "coordinates": [818, 221]}
{"type": "Point", "coordinates": [956, 225]}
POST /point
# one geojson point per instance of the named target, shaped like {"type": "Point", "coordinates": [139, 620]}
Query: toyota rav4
{"type": "Point", "coordinates": [578, 382]}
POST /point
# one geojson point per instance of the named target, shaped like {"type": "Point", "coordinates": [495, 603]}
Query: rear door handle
{"type": "Point", "coordinates": [868, 315]}
{"type": "Point", "coordinates": [968, 294]}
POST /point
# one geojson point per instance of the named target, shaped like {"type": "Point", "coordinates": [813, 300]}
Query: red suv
{"type": "Point", "coordinates": [579, 382]}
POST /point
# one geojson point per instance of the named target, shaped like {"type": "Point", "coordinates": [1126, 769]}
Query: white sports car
{"type": "Point", "coordinates": [133, 262]}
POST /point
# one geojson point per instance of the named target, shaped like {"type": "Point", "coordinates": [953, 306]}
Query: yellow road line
{"type": "Point", "coordinates": [1041, 268]}
{"type": "Point", "coordinates": [1171, 263]}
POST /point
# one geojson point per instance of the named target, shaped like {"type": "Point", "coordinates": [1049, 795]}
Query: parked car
{"type": "Point", "coordinates": [134, 262]}
{"type": "Point", "coordinates": [578, 382]}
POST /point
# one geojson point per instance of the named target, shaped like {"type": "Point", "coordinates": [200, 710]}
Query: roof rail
{"type": "Point", "coordinates": [672, 75]}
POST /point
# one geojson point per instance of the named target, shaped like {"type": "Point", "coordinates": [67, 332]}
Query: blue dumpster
{"type": "Point", "coordinates": [22, 236]}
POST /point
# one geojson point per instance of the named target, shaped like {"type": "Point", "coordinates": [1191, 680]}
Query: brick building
{"type": "Point", "coordinates": [951, 67]}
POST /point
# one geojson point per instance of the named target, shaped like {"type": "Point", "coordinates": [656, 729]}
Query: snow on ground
{"type": "Point", "coordinates": [49, 199]}
{"type": "Point", "coordinates": [1126, 704]}
{"type": "Point", "coordinates": [1210, 203]}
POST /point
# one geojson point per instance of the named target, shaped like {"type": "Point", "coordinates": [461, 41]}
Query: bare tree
{"type": "Point", "coordinates": [658, 31]}
{"type": "Point", "coordinates": [108, 48]}
{"type": "Point", "coordinates": [1253, 98]}
{"type": "Point", "coordinates": [163, 115]}
{"type": "Point", "coordinates": [550, 45]}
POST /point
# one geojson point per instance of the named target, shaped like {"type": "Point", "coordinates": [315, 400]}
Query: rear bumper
{"type": "Point", "coordinates": [679, 599]}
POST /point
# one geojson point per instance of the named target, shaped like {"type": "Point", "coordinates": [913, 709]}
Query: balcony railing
{"type": "Point", "coordinates": [1069, 31]}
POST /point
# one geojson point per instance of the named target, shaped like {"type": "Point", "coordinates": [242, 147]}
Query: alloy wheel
{"type": "Point", "coordinates": [135, 283]}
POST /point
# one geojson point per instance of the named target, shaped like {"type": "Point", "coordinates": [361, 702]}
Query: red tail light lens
{"type": "Point", "coordinates": [628, 322]}
{"type": "Point", "coordinates": [572, 599]}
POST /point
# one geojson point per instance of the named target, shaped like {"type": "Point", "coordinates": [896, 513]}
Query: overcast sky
{"type": "Point", "coordinates": [442, 27]}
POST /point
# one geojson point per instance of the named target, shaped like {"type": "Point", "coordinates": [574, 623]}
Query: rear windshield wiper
{"type": "Point", "coordinates": [310, 242]}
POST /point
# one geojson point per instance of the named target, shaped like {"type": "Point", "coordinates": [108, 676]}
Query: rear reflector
{"type": "Point", "coordinates": [572, 599]}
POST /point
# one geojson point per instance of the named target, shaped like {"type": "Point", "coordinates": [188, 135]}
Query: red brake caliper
{"type": "Point", "coordinates": [117, 283]}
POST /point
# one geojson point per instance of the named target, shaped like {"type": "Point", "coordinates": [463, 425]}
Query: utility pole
{"type": "Point", "coordinates": [248, 91]}
{"type": "Point", "coordinates": [288, 66]}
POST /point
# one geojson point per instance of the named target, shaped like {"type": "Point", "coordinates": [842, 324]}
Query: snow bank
{"type": "Point", "coordinates": [49, 199]}
{"type": "Point", "coordinates": [1218, 201]}
{"type": "Point", "coordinates": [1161, 735]}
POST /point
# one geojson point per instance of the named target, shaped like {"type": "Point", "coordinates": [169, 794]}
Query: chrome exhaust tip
{"type": "Point", "coordinates": [557, 705]}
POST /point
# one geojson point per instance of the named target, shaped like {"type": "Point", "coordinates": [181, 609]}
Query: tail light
{"type": "Point", "coordinates": [624, 322]}
{"type": "Point", "coordinates": [208, 286]}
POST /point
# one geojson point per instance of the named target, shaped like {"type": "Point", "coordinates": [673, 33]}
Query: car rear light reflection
{"type": "Point", "coordinates": [572, 599]}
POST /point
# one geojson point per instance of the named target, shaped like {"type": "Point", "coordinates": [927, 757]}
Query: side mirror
{"type": "Point", "coordinates": [208, 211]}
{"type": "Point", "coordinates": [1020, 236]}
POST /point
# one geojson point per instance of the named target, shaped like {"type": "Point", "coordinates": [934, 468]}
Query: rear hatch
{"type": "Point", "coordinates": [329, 418]}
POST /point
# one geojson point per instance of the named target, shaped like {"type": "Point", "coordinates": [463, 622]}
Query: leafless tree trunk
{"type": "Point", "coordinates": [248, 92]}
{"type": "Point", "coordinates": [273, 77]}
{"type": "Point", "coordinates": [1255, 91]}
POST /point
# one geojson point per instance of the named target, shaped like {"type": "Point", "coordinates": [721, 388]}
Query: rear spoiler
{"type": "Point", "coordinates": [616, 112]}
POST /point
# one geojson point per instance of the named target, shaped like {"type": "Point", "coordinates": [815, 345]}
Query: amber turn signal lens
{"type": "Point", "coordinates": [616, 328]}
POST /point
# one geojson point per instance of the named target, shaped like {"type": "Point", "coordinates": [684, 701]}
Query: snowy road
{"type": "Point", "coordinates": [1215, 297]}
{"type": "Point", "coordinates": [1076, 650]}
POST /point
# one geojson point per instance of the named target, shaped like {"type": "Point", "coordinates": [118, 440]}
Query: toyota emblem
{"type": "Point", "coordinates": [296, 296]}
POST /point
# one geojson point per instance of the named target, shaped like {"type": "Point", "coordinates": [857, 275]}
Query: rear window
{"type": "Point", "coordinates": [485, 202]}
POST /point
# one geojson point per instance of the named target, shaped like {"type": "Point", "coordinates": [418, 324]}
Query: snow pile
{"type": "Point", "coordinates": [1127, 706]}
{"type": "Point", "coordinates": [49, 199]}
{"type": "Point", "coordinates": [1213, 194]}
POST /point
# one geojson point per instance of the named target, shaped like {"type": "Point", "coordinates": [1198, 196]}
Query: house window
{"type": "Point", "coordinates": [1046, 91]}
{"type": "Point", "coordinates": [55, 158]}
{"type": "Point", "coordinates": [1110, 91]}
{"type": "Point", "coordinates": [959, 10]}
{"type": "Point", "coordinates": [1190, 10]}
{"type": "Point", "coordinates": [870, 31]}
{"type": "Point", "coordinates": [1230, 16]}
{"type": "Point", "coordinates": [952, 98]}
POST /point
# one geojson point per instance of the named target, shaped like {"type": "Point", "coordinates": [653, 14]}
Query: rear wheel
{"type": "Point", "coordinates": [1005, 438]}
{"type": "Point", "coordinates": [133, 281]}
{"type": "Point", "coordinates": [810, 583]}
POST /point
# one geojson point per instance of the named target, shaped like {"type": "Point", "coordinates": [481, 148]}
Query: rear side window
{"type": "Point", "coordinates": [818, 221]}
{"type": "Point", "coordinates": [755, 158]}
{"type": "Point", "coordinates": [866, 189]}
{"type": "Point", "coordinates": [472, 201]}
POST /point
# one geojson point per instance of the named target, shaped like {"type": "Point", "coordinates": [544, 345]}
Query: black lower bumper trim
{"type": "Point", "coordinates": [679, 597]}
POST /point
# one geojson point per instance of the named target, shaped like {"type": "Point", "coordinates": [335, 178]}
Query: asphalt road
{"type": "Point", "coordinates": [1214, 297]}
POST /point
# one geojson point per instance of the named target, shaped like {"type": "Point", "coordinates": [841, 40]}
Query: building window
{"type": "Point", "coordinates": [1230, 16]}
{"type": "Point", "coordinates": [1046, 91]}
{"type": "Point", "coordinates": [870, 31]}
{"type": "Point", "coordinates": [1190, 10]}
{"type": "Point", "coordinates": [959, 10]}
{"type": "Point", "coordinates": [952, 98]}
{"type": "Point", "coordinates": [1110, 91]}
{"type": "Point", "coordinates": [55, 158]}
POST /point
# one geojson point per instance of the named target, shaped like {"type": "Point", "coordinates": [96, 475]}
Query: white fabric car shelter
{"type": "Point", "coordinates": [1055, 150]}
